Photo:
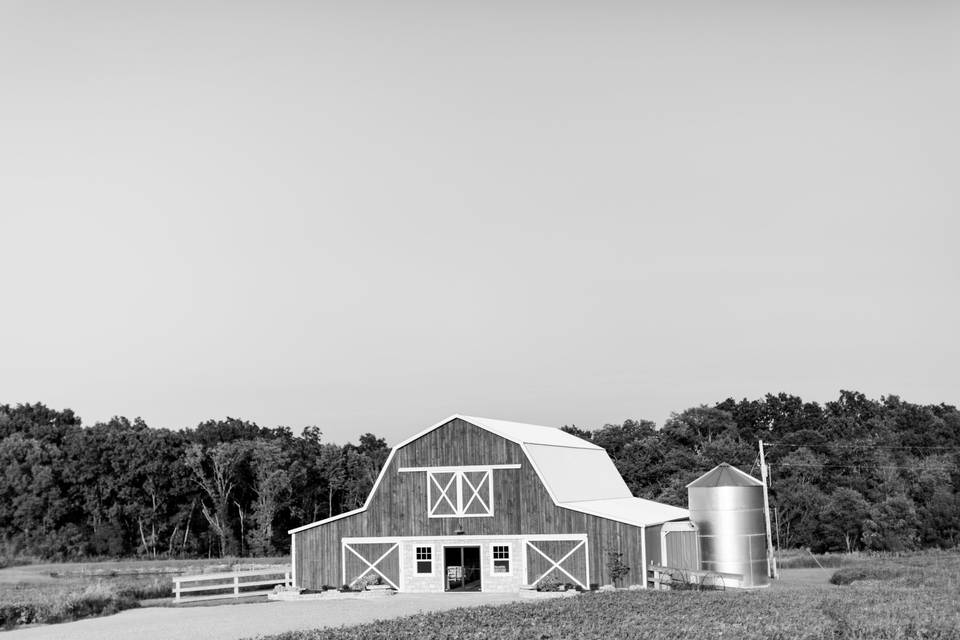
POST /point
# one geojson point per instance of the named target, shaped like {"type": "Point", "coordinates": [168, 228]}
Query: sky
{"type": "Point", "coordinates": [369, 216]}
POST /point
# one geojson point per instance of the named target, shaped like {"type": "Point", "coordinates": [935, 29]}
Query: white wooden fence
{"type": "Point", "coordinates": [670, 577]}
{"type": "Point", "coordinates": [228, 584]}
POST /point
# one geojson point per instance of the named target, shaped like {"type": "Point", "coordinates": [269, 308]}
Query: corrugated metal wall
{"type": "Point", "coordinates": [732, 530]}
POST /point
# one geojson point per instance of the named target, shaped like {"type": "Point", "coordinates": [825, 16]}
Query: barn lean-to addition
{"type": "Point", "coordinates": [488, 505]}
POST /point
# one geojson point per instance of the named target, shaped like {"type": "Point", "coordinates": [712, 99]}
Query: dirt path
{"type": "Point", "coordinates": [234, 621]}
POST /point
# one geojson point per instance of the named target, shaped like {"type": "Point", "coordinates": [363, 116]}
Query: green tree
{"type": "Point", "coordinates": [33, 507]}
{"type": "Point", "coordinates": [697, 426]}
{"type": "Point", "coordinates": [215, 471]}
{"type": "Point", "coordinates": [892, 525]}
{"type": "Point", "coordinates": [272, 486]}
{"type": "Point", "coordinates": [841, 521]}
{"type": "Point", "coordinates": [334, 471]}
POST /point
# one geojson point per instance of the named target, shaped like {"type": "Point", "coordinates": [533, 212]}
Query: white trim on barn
{"type": "Point", "coordinates": [293, 561]}
{"type": "Point", "coordinates": [468, 467]}
{"type": "Point", "coordinates": [345, 514]}
{"type": "Point", "coordinates": [472, 537]}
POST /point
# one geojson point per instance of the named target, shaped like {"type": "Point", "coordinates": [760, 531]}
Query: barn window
{"type": "Point", "coordinates": [460, 494]}
{"type": "Point", "coordinates": [424, 557]}
{"type": "Point", "coordinates": [501, 559]}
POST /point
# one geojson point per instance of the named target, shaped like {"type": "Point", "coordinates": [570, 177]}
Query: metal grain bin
{"type": "Point", "coordinates": [726, 504]}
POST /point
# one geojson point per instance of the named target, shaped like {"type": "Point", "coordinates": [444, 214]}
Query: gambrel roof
{"type": "Point", "coordinates": [577, 474]}
{"type": "Point", "coordinates": [517, 432]}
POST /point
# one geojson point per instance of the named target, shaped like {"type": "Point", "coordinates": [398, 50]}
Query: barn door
{"type": "Point", "coordinates": [366, 559]}
{"type": "Point", "coordinates": [561, 560]}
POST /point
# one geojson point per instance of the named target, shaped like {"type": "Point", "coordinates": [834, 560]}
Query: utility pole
{"type": "Point", "coordinates": [771, 559]}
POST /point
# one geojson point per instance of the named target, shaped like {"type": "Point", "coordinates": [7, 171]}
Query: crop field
{"type": "Point", "coordinates": [47, 593]}
{"type": "Point", "coordinates": [893, 598]}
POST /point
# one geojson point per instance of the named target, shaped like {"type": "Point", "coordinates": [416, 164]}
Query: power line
{"type": "Point", "coordinates": [860, 466]}
{"type": "Point", "coordinates": [852, 445]}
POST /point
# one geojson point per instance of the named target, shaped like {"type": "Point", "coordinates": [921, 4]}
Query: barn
{"type": "Point", "coordinates": [474, 504]}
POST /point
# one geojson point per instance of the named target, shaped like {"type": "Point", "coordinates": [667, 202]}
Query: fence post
{"type": "Point", "coordinates": [176, 589]}
{"type": "Point", "coordinates": [236, 585]}
{"type": "Point", "coordinates": [286, 579]}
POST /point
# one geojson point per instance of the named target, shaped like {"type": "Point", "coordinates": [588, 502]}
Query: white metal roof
{"type": "Point", "coordinates": [635, 511]}
{"type": "Point", "coordinates": [577, 474]}
{"type": "Point", "coordinates": [518, 432]}
{"type": "Point", "coordinates": [572, 474]}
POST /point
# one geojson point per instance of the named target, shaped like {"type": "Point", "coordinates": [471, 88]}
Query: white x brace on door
{"type": "Point", "coordinates": [380, 558]}
{"type": "Point", "coordinates": [461, 494]}
{"type": "Point", "coordinates": [562, 559]}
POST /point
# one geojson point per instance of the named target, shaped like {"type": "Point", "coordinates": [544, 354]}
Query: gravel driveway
{"type": "Point", "coordinates": [234, 621]}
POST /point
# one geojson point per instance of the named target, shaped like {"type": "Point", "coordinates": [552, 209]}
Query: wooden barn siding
{"type": "Point", "coordinates": [653, 545]}
{"type": "Point", "coordinates": [521, 506]}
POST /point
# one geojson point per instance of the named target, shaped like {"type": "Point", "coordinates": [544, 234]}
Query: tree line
{"type": "Point", "coordinates": [225, 488]}
{"type": "Point", "coordinates": [851, 474]}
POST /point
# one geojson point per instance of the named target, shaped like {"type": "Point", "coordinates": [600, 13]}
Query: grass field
{"type": "Point", "coordinates": [44, 593]}
{"type": "Point", "coordinates": [890, 598]}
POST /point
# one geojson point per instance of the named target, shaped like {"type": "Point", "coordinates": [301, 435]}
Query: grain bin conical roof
{"type": "Point", "coordinates": [723, 475]}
